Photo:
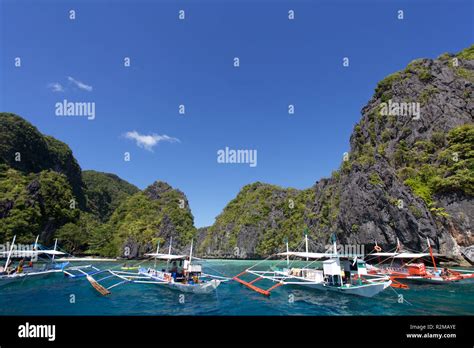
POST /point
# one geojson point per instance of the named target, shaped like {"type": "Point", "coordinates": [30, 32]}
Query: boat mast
{"type": "Point", "coordinates": [36, 243]}
{"type": "Point", "coordinates": [191, 252]}
{"type": "Point", "coordinates": [55, 245]}
{"type": "Point", "coordinates": [431, 254]}
{"type": "Point", "coordinates": [398, 245]}
{"type": "Point", "coordinates": [157, 250]}
{"type": "Point", "coordinates": [10, 252]}
{"type": "Point", "coordinates": [287, 254]}
{"type": "Point", "coordinates": [334, 247]}
{"type": "Point", "coordinates": [306, 242]}
{"type": "Point", "coordinates": [169, 252]}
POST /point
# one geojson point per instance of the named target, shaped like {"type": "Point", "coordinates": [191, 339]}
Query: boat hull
{"type": "Point", "coordinates": [8, 279]}
{"type": "Point", "coordinates": [201, 288]}
{"type": "Point", "coordinates": [436, 280]}
{"type": "Point", "coordinates": [365, 290]}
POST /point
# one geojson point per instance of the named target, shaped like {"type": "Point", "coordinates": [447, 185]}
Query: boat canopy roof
{"type": "Point", "coordinates": [86, 259]}
{"type": "Point", "coordinates": [305, 254]}
{"type": "Point", "coordinates": [404, 255]}
{"type": "Point", "coordinates": [33, 252]}
{"type": "Point", "coordinates": [166, 256]}
{"type": "Point", "coordinates": [413, 255]}
{"type": "Point", "coordinates": [383, 254]}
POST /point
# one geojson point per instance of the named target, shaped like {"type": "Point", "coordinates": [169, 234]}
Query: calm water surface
{"type": "Point", "coordinates": [52, 296]}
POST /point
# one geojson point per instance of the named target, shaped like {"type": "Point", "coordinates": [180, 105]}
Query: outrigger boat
{"type": "Point", "coordinates": [9, 274]}
{"type": "Point", "coordinates": [179, 272]}
{"type": "Point", "coordinates": [129, 268]}
{"type": "Point", "coordinates": [56, 262]}
{"type": "Point", "coordinates": [404, 266]}
{"type": "Point", "coordinates": [338, 273]}
{"type": "Point", "coordinates": [81, 271]}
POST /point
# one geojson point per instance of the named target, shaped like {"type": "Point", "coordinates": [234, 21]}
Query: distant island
{"type": "Point", "coordinates": [409, 175]}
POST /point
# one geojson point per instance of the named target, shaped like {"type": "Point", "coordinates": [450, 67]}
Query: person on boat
{"type": "Point", "coordinates": [446, 272]}
{"type": "Point", "coordinates": [9, 269]}
{"type": "Point", "coordinates": [20, 266]}
{"type": "Point", "coordinates": [343, 277]}
{"type": "Point", "coordinates": [174, 268]}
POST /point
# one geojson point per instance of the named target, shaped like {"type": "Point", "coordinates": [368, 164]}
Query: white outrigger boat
{"type": "Point", "coordinates": [339, 274]}
{"type": "Point", "coordinates": [9, 274]}
{"type": "Point", "coordinates": [56, 261]}
{"type": "Point", "coordinates": [405, 266]}
{"type": "Point", "coordinates": [179, 272]}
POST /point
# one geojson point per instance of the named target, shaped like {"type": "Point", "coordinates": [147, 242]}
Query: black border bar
{"type": "Point", "coordinates": [244, 330]}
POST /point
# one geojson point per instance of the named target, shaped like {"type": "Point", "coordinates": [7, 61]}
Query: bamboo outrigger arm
{"type": "Point", "coordinates": [97, 286]}
{"type": "Point", "coordinates": [253, 287]}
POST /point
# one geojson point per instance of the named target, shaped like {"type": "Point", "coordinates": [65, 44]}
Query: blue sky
{"type": "Point", "coordinates": [190, 62]}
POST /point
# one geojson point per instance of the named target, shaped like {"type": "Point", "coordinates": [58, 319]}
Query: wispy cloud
{"type": "Point", "coordinates": [149, 141]}
{"type": "Point", "coordinates": [80, 84]}
{"type": "Point", "coordinates": [56, 87]}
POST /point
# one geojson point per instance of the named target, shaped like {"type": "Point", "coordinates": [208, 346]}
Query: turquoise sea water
{"type": "Point", "coordinates": [52, 296]}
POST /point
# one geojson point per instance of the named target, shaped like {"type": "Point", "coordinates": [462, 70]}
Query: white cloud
{"type": "Point", "coordinates": [149, 141]}
{"type": "Point", "coordinates": [56, 87]}
{"type": "Point", "coordinates": [80, 84]}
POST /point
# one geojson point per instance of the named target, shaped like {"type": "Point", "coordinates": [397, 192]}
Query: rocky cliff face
{"type": "Point", "coordinates": [150, 217]}
{"type": "Point", "coordinates": [34, 204]}
{"type": "Point", "coordinates": [105, 192]}
{"type": "Point", "coordinates": [256, 222]}
{"type": "Point", "coordinates": [40, 182]}
{"type": "Point", "coordinates": [25, 149]}
{"type": "Point", "coordinates": [409, 174]}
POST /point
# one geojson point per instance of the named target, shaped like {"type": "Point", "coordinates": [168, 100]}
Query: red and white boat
{"type": "Point", "coordinates": [402, 266]}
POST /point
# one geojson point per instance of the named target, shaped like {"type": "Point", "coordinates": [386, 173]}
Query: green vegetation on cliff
{"type": "Point", "coordinates": [44, 192]}
{"type": "Point", "coordinates": [77, 236]}
{"type": "Point", "coordinates": [144, 219]}
{"type": "Point", "coordinates": [32, 204]}
{"type": "Point", "coordinates": [467, 53]}
{"type": "Point", "coordinates": [395, 157]}
{"type": "Point", "coordinates": [392, 158]}
{"type": "Point", "coordinates": [105, 192]}
{"type": "Point", "coordinates": [432, 169]}
{"type": "Point", "coordinates": [276, 213]}
{"type": "Point", "coordinates": [24, 148]}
